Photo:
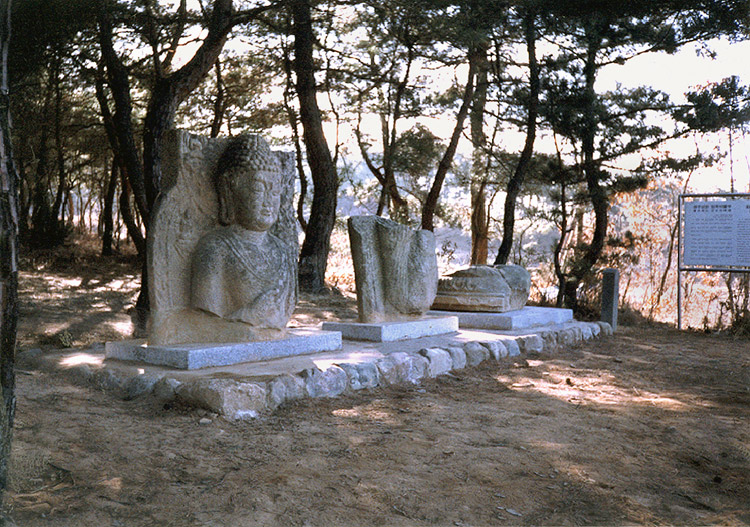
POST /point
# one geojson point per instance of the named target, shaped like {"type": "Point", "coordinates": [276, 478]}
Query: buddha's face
{"type": "Point", "coordinates": [256, 200]}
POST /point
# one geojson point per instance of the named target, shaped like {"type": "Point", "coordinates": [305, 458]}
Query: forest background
{"type": "Point", "coordinates": [495, 123]}
{"type": "Point", "coordinates": [487, 121]}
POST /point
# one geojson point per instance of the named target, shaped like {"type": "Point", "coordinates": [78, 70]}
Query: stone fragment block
{"type": "Point", "coordinates": [165, 389]}
{"type": "Point", "coordinates": [328, 383]}
{"type": "Point", "coordinates": [531, 343]}
{"type": "Point", "coordinates": [511, 344]}
{"type": "Point", "coordinates": [606, 328]}
{"type": "Point", "coordinates": [285, 388]}
{"type": "Point", "coordinates": [475, 353]}
{"type": "Point", "coordinates": [361, 375]}
{"type": "Point", "coordinates": [497, 349]}
{"type": "Point", "coordinates": [230, 398]}
{"type": "Point", "coordinates": [139, 385]}
{"type": "Point", "coordinates": [458, 356]}
{"type": "Point", "coordinates": [484, 288]}
{"type": "Point", "coordinates": [440, 361]}
{"type": "Point", "coordinates": [596, 330]}
{"type": "Point", "coordinates": [402, 368]}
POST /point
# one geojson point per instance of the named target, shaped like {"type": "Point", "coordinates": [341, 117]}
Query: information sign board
{"type": "Point", "coordinates": [717, 233]}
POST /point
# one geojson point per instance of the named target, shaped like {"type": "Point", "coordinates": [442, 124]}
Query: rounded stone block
{"type": "Point", "coordinates": [285, 388]}
{"type": "Point", "coordinates": [232, 399]}
{"type": "Point", "coordinates": [458, 356]}
{"type": "Point", "coordinates": [475, 353]}
{"type": "Point", "coordinates": [531, 343]}
{"type": "Point", "coordinates": [402, 368]}
{"type": "Point", "coordinates": [329, 383]}
{"type": "Point", "coordinates": [499, 288]}
{"type": "Point", "coordinates": [440, 361]}
{"type": "Point", "coordinates": [361, 375]}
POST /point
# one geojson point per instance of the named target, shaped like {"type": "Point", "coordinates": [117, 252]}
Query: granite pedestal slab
{"type": "Point", "coordinates": [394, 331]}
{"type": "Point", "coordinates": [526, 317]}
{"type": "Point", "coordinates": [195, 356]}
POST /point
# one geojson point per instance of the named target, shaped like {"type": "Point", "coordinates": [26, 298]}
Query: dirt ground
{"type": "Point", "coordinates": [649, 427]}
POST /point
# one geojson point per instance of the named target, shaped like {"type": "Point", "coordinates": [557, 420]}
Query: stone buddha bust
{"type": "Point", "coordinates": [223, 250]}
{"type": "Point", "coordinates": [240, 271]}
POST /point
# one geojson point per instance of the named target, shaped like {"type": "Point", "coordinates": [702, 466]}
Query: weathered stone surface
{"type": "Point", "coordinates": [484, 288]}
{"type": "Point", "coordinates": [605, 327]}
{"type": "Point", "coordinates": [596, 330]}
{"type": "Point", "coordinates": [222, 244]}
{"type": "Point", "coordinates": [511, 345]}
{"type": "Point", "coordinates": [550, 339]}
{"type": "Point", "coordinates": [165, 389]}
{"type": "Point", "coordinates": [531, 343]}
{"type": "Point", "coordinates": [440, 361]}
{"type": "Point", "coordinates": [402, 368]}
{"type": "Point", "coordinates": [395, 269]}
{"type": "Point", "coordinates": [475, 353]}
{"type": "Point", "coordinates": [497, 349]}
{"type": "Point", "coordinates": [458, 356]}
{"type": "Point", "coordinates": [139, 385]}
{"type": "Point", "coordinates": [80, 374]}
{"type": "Point", "coordinates": [361, 375]}
{"type": "Point", "coordinates": [285, 388]}
{"type": "Point", "coordinates": [329, 383]}
{"type": "Point", "coordinates": [109, 380]}
{"type": "Point", "coordinates": [586, 332]}
{"type": "Point", "coordinates": [230, 398]}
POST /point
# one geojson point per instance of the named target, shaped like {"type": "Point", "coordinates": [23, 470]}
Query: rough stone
{"type": "Point", "coordinates": [361, 374]}
{"type": "Point", "coordinates": [108, 380]}
{"type": "Point", "coordinates": [531, 343]}
{"type": "Point", "coordinates": [458, 356]}
{"type": "Point", "coordinates": [80, 374]}
{"type": "Point", "coordinates": [483, 288]}
{"type": "Point", "coordinates": [223, 243]}
{"type": "Point", "coordinates": [165, 389]}
{"type": "Point", "coordinates": [440, 361]}
{"type": "Point", "coordinates": [550, 339]}
{"type": "Point", "coordinates": [402, 368]}
{"type": "Point", "coordinates": [606, 329]}
{"type": "Point", "coordinates": [139, 385]}
{"type": "Point", "coordinates": [475, 353]}
{"type": "Point", "coordinates": [230, 398]}
{"type": "Point", "coordinates": [596, 330]}
{"type": "Point", "coordinates": [395, 269]}
{"type": "Point", "coordinates": [586, 332]}
{"type": "Point", "coordinates": [328, 383]}
{"type": "Point", "coordinates": [285, 388]}
{"type": "Point", "coordinates": [512, 346]}
{"type": "Point", "coordinates": [497, 349]}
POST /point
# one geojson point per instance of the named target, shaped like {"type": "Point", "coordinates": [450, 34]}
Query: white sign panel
{"type": "Point", "coordinates": [717, 233]}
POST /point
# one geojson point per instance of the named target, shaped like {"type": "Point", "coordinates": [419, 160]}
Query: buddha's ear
{"type": "Point", "coordinates": [226, 208]}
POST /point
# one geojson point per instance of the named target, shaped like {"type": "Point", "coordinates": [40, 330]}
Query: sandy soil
{"type": "Point", "coordinates": [648, 427]}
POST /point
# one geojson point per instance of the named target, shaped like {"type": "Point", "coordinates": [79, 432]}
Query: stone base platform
{"type": "Point", "coordinates": [195, 356]}
{"type": "Point", "coordinates": [395, 331]}
{"type": "Point", "coordinates": [526, 317]}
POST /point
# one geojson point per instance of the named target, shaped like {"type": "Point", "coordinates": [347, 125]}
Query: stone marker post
{"type": "Point", "coordinates": [610, 296]}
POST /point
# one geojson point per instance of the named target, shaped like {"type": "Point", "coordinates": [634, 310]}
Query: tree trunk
{"type": "Point", "coordinates": [597, 194]}
{"type": "Point", "coordinates": [106, 219]}
{"type": "Point", "coordinates": [430, 204]}
{"type": "Point", "coordinates": [8, 259]}
{"type": "Point", "coordinates": [519, 175]}
{"type": "Point", "coordinates": [479, 223]}
{"type": "Point", "coordinates": [313, 257]}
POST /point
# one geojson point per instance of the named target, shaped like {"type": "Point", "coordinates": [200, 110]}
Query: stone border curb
{"type": "Point", "coordinates": [246, 399]}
